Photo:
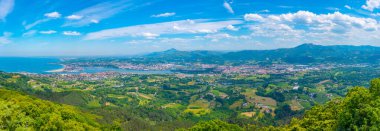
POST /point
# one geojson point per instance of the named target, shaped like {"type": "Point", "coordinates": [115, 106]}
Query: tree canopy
{"type": "Point", "coordinates": [22, 112]}
{"type": "Point", "coordinates": [359, 110]}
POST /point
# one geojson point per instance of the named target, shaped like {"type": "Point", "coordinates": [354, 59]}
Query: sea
{"type": "Point", "coordinates": [43, 65]}
{"type": "Point", "coordinates": [31, 65]}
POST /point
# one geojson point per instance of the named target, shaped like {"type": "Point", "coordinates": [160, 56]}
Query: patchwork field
{"type": "Point", "coordinates": [236, 105]}
{"type": "Point", "coordinates": [171, 105]}
{"type": "Point", "coordinates": [295, 105]}
{"type": "Point", "coordinates": [250, 96]}
{"type": "Point", "coordinates": [198, 108]}
{"type": "Point", "coordinates": [248, 114]}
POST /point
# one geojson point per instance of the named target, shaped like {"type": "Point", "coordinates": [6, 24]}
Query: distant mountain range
{"type": "Point", "coordinates": [302, 54]}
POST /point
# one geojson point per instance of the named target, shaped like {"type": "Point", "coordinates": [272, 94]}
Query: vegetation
{"type": "Point", "coordinates": [215, 125]}
{"type": "Point", "coordinates": [359, 110]}
{"type": "Point", "coordinates": [303, 54]}
{"type": "Point", "coordinates": [170, 102]}
{"type": "Point", "coordinates": [21, 112]}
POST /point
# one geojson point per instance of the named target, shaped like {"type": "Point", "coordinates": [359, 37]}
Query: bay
{"type": "Point", "coordinates": [44, 65]}
{"type": "Point", "coordinates": [29, 64]}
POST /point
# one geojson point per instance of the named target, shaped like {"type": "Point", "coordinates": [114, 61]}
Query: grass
{"type": "Point", "coordinates": [198, 108]}
{"type": "Point", "coordinates": [215, 92]}
{"type": "Point", "coordinates": [94, 104]}
{"type": "Point", "coordinates": [305, 104]}
{"type": "Point", "coordinates": [251, 97]}
{"type": "Point", "coordinates": [236, 104]}
{"type": "Point", "coordinates": [295, 105]}
{"type": "Point", "coordinates": [149, 97]}
{"type": "Point", "coordinates": [220, 94]}
{"type": "Point", "coordinates": [248, 114]}
{"type": "Point", "coordinates": [151, 80]}
{"type": "Point", "coordinates": [117, 96]}
{"type": "Point", "coordinates": [172, 105]}
{"type": "Point", "coordinates": [266, 101]}
{"type": "Point", "coordinates": [198, 112]}
{"type": "Point", "coordinates": [141, 95]}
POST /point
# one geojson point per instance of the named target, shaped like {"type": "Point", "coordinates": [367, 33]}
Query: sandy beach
{"type": "Point", "coordinates": [58, 70]}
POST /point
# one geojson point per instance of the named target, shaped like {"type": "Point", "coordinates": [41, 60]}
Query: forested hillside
{"type": "Point", "coordinates": [22, 112]}
{"type": "Point", "coordinates": [359, 110]}
{"type": "Point", "coordinates": [302, 54]}
{"type": "Point", "coordinates": [192, 108]}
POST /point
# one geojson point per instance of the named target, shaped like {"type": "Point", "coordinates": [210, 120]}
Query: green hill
{"type": "Point", "coordinates": [359, 110]}
{"type": "Point", "coordinates": [124, 109]}
{"type": "Point", "coordinates": [22, 112]}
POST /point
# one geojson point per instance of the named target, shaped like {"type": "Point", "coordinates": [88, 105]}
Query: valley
{"type": "Point", "coordinates": [261, 93]}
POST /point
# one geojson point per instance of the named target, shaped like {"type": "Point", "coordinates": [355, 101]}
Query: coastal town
{"type": "Point", "coordinates": [99, 71]}
{"type": "Point", "coordinates": [197, 89]}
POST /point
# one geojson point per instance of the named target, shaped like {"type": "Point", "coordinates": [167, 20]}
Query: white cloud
{"type": "Point", "coordinates": [4, 39]}
{"type": "Point", "coordinates": [253, 17]}
{"type": "Point", "coordinates": [6, 6]}
{"type": "Point", "coordinates": [371, 5]}
{"type": "Point", "coordinates": [228, 7]}
{"type": "Point", "coordinates": [308, 27]}
{"type": "Point", "coordinates": [325, 22]}
{"type": "Point", "coordinates": [264, 11]}
{"type": "Point", "coordinates": [150, 35]}
{"type": "Point", "coordinates": [139, 42]}
{"type": "Point", "coordinates": [348, 7]}
{"type": "Point", "coordinates": [48, 32]}
{"type": "Point", "coordinates": [273, 30]}
{"type": "Point", "coordinates": [174, 27]}
{"type": "Point", "coordinates": [286, 7]}
{"type": "Point", "coordinates": [167, 14]}
{"type": "Point", "coordinates": [74, 17]}
{"type": "Point", "coordinates": [50, 16]}
{"type": "Point", "coordinates": [53, 15]}
{"type": "Point", "coordinates": [29, 33]}
{"type": "Point", "coordinates": [219, 36]}
{"type": "Point", "coordinates": [333, 8]}
{"type": "Point", "coordinates": [231, 27]}
{"type": "Point", "coordinates": [375, 14]}
{"type": "Point", "coordinates": [29, 26]}
{"type": "Point", "coordinates": [71, 33]}
{"type": "Point", "coordinates": [94, 21]}
{"type": "Point", "coordinates": [98, 12]}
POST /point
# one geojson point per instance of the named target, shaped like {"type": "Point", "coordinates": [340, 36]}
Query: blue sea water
{"type": "Point", "coordinates": [31, 65]}
{"type": "Point", "coordinates": [42, 65]}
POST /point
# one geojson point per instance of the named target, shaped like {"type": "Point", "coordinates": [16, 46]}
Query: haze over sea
{"type": "Point", "coordinates": [31, 65]}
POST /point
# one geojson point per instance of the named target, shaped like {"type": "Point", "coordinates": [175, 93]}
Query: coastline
{"type": "Point", "coordinates": [58, 70]}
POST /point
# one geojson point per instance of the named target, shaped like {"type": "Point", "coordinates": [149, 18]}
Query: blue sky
{"type": "Point", "coordinates": [125, 27]}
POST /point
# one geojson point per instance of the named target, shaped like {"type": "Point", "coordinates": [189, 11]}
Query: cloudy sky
{"type": "Point", "coordinates": [125, 27]}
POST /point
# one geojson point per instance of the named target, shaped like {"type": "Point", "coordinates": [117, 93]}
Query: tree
{"type": "Point", "coordinates": [375, 86]}
{"type": "Point", "coordinates": [359, 110]}
{"type": "Point", "coordinates": [21, 112]}
{"type": "Point", "coordinates": [214, 125]}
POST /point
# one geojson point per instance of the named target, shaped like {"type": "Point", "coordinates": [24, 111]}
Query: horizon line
{"type": "Point", "coordinates": [146, 53]}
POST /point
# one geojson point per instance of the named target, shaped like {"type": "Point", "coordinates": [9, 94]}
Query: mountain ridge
{"type": "Point", "coordinates": [303, 54]}
{"type": "Point", "coordinates": [298, 46]}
